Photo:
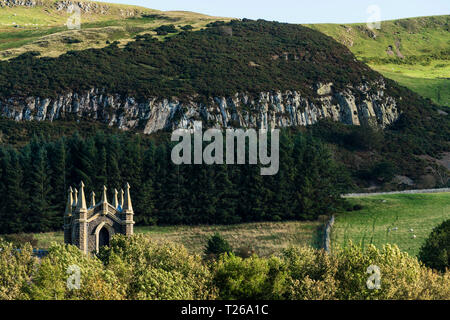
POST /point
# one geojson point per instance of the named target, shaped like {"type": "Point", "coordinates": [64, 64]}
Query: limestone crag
{"type": "Point", "coordinates": [355, 106]}
{"type": "Point", "coordinates": [15, 3]}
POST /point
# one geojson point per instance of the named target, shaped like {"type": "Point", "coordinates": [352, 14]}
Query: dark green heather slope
{"type": "Point", "coordinates": [248, 56]}
{"type": "Point", "coordinates": [251, 57]}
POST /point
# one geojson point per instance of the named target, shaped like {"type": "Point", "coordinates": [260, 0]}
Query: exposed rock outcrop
{"type": "Point", "coordinates": [25, 3]}
{"type": "Point", "coordinates": [270, 109]}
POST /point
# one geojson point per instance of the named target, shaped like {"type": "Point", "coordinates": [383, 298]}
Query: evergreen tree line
{"type": "Point", "coordinates": [34, 181]}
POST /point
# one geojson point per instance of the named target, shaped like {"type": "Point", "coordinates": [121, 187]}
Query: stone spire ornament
{"type": "Point", "coordinates": [104, 201]}
{"type": "Point", "coordinates": [75, 198]}
{"type": "Point", "coordinates": [81, 204]}
{"type": "Point", "coordinates": [127, 206]}
{"type": "Point", "coordinates": [104, 195]}
{"type": "Point", "coordinates": [92, 204]}
{"type": "Point", "coordinates": [127, 211]}
{"type": "Point", "coordinates": [69, 204]}
{"type": "Point", "coordinates": [115, 201]}
{"type": "Point", "coordinates": [121, 198]}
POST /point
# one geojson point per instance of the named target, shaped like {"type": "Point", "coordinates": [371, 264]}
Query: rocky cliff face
{"type": "Point", "coordinates": [270, 109]}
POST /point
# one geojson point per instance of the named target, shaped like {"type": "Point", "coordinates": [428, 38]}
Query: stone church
{"type": "Point", "coordinates": [90, 228]}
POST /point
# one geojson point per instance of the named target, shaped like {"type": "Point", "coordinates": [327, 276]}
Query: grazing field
{"type": "Point", "coordinates": [413, 52]}
{"type": "Point", "coordinates": [390, 219]}
{"type": "Point", "coordinates": [431, 81]}
{"type": "Point", "coordinates": [264, 238]}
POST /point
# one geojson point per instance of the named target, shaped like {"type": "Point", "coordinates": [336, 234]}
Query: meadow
{"type": "Point", "coordinates": [412, 52]}
{"type": "Point", "coordinates": [390, 219]}
{"type": "Point", "coordinates": [264, 239]}
{"type": "Point", "coordinates": [370, 225]}
{"type": "Point", "coordinates": [421, 80]}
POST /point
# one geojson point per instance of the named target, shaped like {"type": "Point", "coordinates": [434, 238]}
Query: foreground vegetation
{"type": "Point", "coordinates": [138, 268]}
{"type": "Point", "coordinates": [435, 252]}
{"type": "Point", "coordinates": [404, 220]}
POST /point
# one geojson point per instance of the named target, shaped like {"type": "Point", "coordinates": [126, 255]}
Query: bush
{"type": "Point", "coordinates": [50, 280]}
{"type": "Point", "coordinates": [253, 278]}
{"type": "Point", "coordinates": [435, 253]}
{"type": "Point", "coordinates": [157, 271]}
{"type": "Point", "coordinates": [384, 171]}
{"type": "Point", "coordinates": [138, 268]}
{"type": "Point", "coordinates": [217, 245]}
{"type": "Point", "coordinates": [16, 270]}
{"type": "Point", "coordinates": [166, 29]}
{"type": "Point", "coordinates": [187, 27]}
{"type": "Point", "coordinates": [343, 275]}
{"type": "Point", "coordinates": [306, 274]}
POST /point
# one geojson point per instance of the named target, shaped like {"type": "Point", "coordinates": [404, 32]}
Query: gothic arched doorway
{"type": "Point", "coordinates": [103, 237]}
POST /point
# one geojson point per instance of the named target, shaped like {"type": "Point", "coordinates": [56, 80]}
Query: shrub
{"type": "Point", "coordinates": [384, 171]}
{"type": "Point", "coordinates": [402, 276]}
{"type": "Point", "coordinates": [217, 245]}
{"type": "Point", "coordinates": [187, 27]}
{"type": "Point", "coordinates": [157, 271]}
{"type": "Point", "coordinates": [306, 273]}
{"type": "Point", "coordinates": [435, 253]}
{"type": "Point", "coordinates": [166, 29]}
{"type": "Point", "coordinates": [311, 274]}
{"type": "Point", "coordinates": [50, 280]}
{"type": "Point", "coordinates": [16, 270]}
{"type": "Point", "coordinates": [253, 278]}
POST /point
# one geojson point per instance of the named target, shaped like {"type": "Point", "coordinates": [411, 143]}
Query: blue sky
{"type": "Point", "coordinates": [302, 11]}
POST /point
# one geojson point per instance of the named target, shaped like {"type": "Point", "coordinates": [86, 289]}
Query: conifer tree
{"type": "Point", "coordinates": [14, 208]}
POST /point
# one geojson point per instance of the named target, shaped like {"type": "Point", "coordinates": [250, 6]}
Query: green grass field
{"type": "Point", "coordinates": [435, 88]}
{"type": "Point", "coordinates": [379, 214]}
{"type": "Point", "coordinates": [424, 39]}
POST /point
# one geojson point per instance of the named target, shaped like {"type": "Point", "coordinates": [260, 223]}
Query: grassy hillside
{"type": "Point", "coordinates": [414, 52]}
{"type": "Point", "coordinates": [380, 215]}
{"type": "Point", "coordinates": [225, 58]}
{"type": "Point", "coordinates": [43, 28]}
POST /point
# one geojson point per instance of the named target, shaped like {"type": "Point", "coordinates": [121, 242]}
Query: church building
{"type": "Point", "coordinates": [91, 227]}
